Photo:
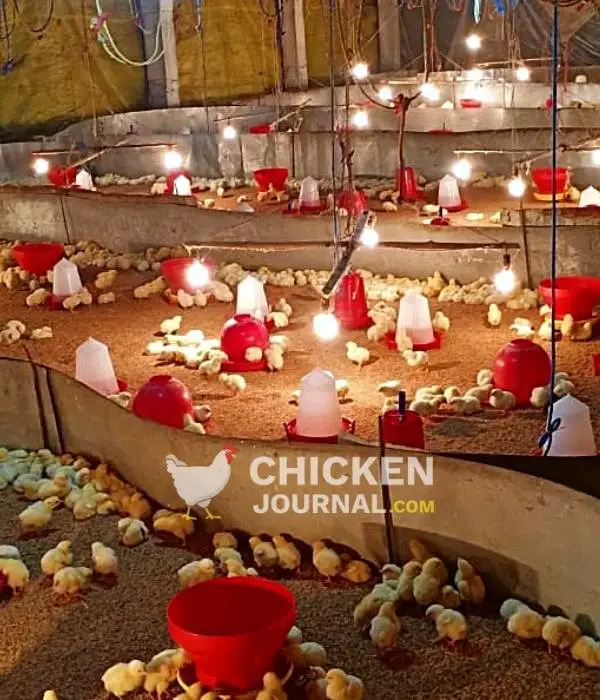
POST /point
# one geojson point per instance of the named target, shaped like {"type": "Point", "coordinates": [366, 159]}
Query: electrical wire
{"type": "Point", "coordinates": [45, 24]}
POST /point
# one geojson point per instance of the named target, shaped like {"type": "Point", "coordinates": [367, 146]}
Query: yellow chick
{"type": "Point", "coordinates": [84, 508]}
{"type": "Point", "coordinates": [287, 552]}
{"type": "Point", "coordinates": [540, 397]}
{"type": "Point", "coordinates": [357, 354]}
{"type": "Point", "coordinates": [56, 559]}
{"type": "Point", "coordinates": [224, 539]}
{"type": "Point", "coordinates": [390, 572]}
{"type": "Point", "coordinates": [494, 316]}
{"type": "Point", "coordinates": [9, 551]}
{"type": "Point", "coordinates": [71, 581]}
{"type": "Point", "coordinates": [37, 516]}
{"type": "Point", "coordinates": [264, 553]}
{"type": "Point", "coordinates": [586, 650]}
{"type": "Point", "coordinates": [137, 506]}
{"type": "Point", "coordinates": [440, 322]}
{"type": "Point", "coordinates": [234, 382]}
{"type": "Point", "coordinates": [560, 632]}
{"type": "Point", "coordinates": [174, 523]}
{"type": "Point", "coordinates": [236, 568]}
{"type": "Point", "coordinates": [224, 554]}
{"type": "Point", "coordinates": [327, 562]}
{"type": "Point", "coordinates": [415, 358]}
{"type": "Point", "coordinates": [16, 574]}
{"type": "Point", "coordinates": [426, 586]}
{"type": "Point", "coordinates": [385, 627]}
{"type": "Point", "coordinates": [50, 695]}
{"type": "Point", "coordinates": [368, 606]}
{"type": "Point", "coordinates": [162, 670]}
{"type": "Point", "coordinates": [583, 331]}
{"type": "Point", "coordinates": [450, 624]}
{"type": "Point", "coordinates": [418, 551]}
{"type": "Point", "coordinates": [196, 572]}
{"type": "Point", "coordinates": [342, 686]}
{"type": "Point", "coordinates": [502, 400]}
{"type": "Point", "coordinates": [132, 532]}
{"type": "Point", "coordinates": [121, 679]}
{"type": "Point", "coordinates": [272, 688]}
{"type": "Point", "coordinates": [194, 692]}
{"type": "Point", "coordinates": [355, 570]}
{"type": "Point", "coordinates": [449, 597]}
{"type": "Point", "coordinates": [59, 487]}
{"type": "Point", "coordinates": [171, 325]}
{"type": "Point", "coordinates": [509, 607]}
{"type": "Point", "coordinates": [105, 559]}
{"type": "Point", "coordinates": [525, 623]}
{"type": "Point", "coordinates": [306, 654]}
{"type": "Point", "coordinates": [469, 584]}
{"type": "Point", "coordinates": [405, 585]}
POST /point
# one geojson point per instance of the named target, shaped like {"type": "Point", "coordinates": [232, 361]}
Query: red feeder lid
{"type": "Point", "coordinates": [348, 426]}
{"type": "Point", "coordinates": [165, 400]}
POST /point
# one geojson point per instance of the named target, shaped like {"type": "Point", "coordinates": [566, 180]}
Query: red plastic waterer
{"type": "Point", "coordinates": [241, 332]}
{"type": "Point", "coordinates": [173, 175]}
{"type": "Point", "coordinates": [38, 258]}
{"type": "Point", "coordinates": [542, 179]}
{"type": "Point", "coordinates": [406, 184]}
{"type": "Point", "coordinates": [292, 434]}
{"type": "Point", "coordinates": [576, 295]}
{"type": "Point", "coordinates": [187, 273]}
{"type": "Point", "coordinates": [165, 400]}
{"type": "Point", "coordinates": [232, 628]}
{"type": "Point", "coordinates": [350, 303]}
{"type": "Point", "coordinates": [519, 367]}
{"type": "Point", "coordinates": [353, 201]}
{"type": "Point", "coordinates": [400, 426]}
{"type": "Point", "coordinates": [62, 176]}
{"type": "Point", "coordinates": [275, 177]}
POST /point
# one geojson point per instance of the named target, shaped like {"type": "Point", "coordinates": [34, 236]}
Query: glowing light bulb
{"type": "Point", "coordinates": [523, 74]}
{"type": "Point", "coordinates": [596, 156]}
{"type": "Point", "coordinates": [360, 119]}
{"type": "Point", "coordinates": [430, 92]}
{"type": "Point", "coordinates": [462, 169]}
{"type": "Point", "coordinates": [505, 281]}
{"type": "Point", "coordinates": [360, 71]}
{"type": "Point", "coordinates": [473, 42]}
{"type": "Point", "coordinates": [173, 159]}
{"type": "Point", "coordinates": [475, 74]}
{"type": "Point", "coordinates": [369, 237]}
{"type": "Point", "coordinates": [230, 133]}
{"type": "Point", "coordinates": [326, 326]}
{"type": "Point", "coordinates": [41, 166]}
{"type": "Point", "coordinates": [385, 93]}
{"type": "Point", "coordinates": [517, 187]}
{"type": "Point", "coordinates": [198, 275]}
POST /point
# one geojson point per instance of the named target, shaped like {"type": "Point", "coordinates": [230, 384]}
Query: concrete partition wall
{"type": "Point", "coordinates": [32, 215]}
{"type": "Point", "coordinates": [21, 420]}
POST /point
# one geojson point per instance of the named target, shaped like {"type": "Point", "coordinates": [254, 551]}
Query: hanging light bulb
{"type": "Point", "coordinates": [522, 74]}
{"type": "Point", "coordinates": [462, 169]}
{"type": "Point", "coordinates": [230, 133]}
{"type": "Point", "coordinates": [198, 275]}
{"type": "Point", "coordinates": [475, 75]}
{"type": "Point", "coordinates": [360, 71]}
{"type": "Point", "coordinates": [505, 281]}
{"type": "Point", "coordinates": [596, 156]}
{"type": "Point", "coordinates": [517, 187]}
{"type": "Point", "coordinates": [430, 92]}
{"type": "Point", "coordinates": [385, 93]}
{"type": "Point", "coordinates": [369, 237]}
{"type": "Point", "coordinates": [326, 326]}
{"type": "Point", "coordinates": [473, 42]}
{"type": "Point", "coordinates": [173, 159]}
{"type": "Point", "coordinates": [41, 166]}
{"type": "Point", "coordinates": [360, 119]}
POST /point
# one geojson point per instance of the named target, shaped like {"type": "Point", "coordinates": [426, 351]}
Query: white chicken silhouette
{"type": "Point", "coordinates": [198, 485]}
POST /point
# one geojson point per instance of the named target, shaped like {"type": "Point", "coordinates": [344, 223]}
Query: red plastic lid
{"type": "Point", "coordinates": [348, 426]}
{"type": "Point", "coordinates": [163, 399]}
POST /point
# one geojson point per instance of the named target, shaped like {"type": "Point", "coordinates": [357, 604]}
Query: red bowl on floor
{"type": "Point", "coordinates": [38, 258]}
{"type": "Point", "coordinates": [232, 628]}
{"type": "Point", "coordinates": [542, 179]}
{"type": "Point", "coordinates": [470, 104]}
{"type": "Point", "coordinates": [165, 400]}
{"type": "Point", "coordinates": [176, 272]}
{"type": "Point", "coordinates": [519, 367]}
{"type": "Point", "coordinates": [271, 176]}
{"type": "Point", "coordinates": [292, 435]}
{"type": "Point", "coordinates": [576, 295]}
{"type": "Point", "coordinates": [240, 333]}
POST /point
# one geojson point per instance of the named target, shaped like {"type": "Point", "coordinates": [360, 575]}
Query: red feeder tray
{"type": "Point", "coordinates": [576, 295]}
{"type": "Point", "coordinates": [406, 182]}
{"type": "Point", "coordinates": [405, 429]}
{"type": "Point", "coordinates": [232, 628]}
{"type": "Point", "coordinates": [440, 132]}
{"type": "Point", "coordinates": [61, 176]}
{"type": "Point", "coordinates": [38, 258]}
{"type": "Point", "coordinates": [354, 202]}
{"type": "Point", "coordinates": [261, 129]}
{"type": "Point", "coordinates": [238, 334]}
{"type": "Point", "coordinates": [350, 303]}
{"type": "Point", "coordinates": [470, 104]}
{"type": "Point", "coordinates": [519, 367]}
{"type": "Point", "coordinates": [436, 343]}
{"type": "Point", "coordinates": [122, 385]}
{"type": "Point", "coordinates": [348, 426]}
{"type": "Point", "coordinates": [275, 177]}
{"type": "Point", "coordinates": [165, 400]}
{"type": "Point", "coordinates": [440, 221]}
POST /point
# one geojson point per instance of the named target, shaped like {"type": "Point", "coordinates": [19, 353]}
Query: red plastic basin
{"type": "Point", "coordinates": [232, 628]}
{"type": "Point", "coordinates": [271, 176]}
{"type": "Point", "coordinates": [575, 295]}
{"type": "Point", "coordinates": [519, 367]}
{"type": "Point", "coordinates": [163, 399]}
{"type": "Point", "coordinates": [240, 333]}
{"type": "Point", "coordinates": [38, 258]}
{"type": "Point", "coordinates": [542, 179]}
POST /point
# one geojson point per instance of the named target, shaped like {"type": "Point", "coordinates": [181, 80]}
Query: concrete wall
{"type": "Point", "coordinates": [528, 535]}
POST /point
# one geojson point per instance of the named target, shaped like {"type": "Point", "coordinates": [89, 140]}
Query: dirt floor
{"type": "Point", "coordinates": [68, 648]}
{"type": "Point", "coordinates": [129, 324]}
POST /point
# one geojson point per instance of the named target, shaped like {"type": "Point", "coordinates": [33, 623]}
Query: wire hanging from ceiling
{"type": "Point", "coordinates": [45, 24]}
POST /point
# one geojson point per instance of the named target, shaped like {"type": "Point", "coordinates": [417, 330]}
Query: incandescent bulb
{"type": "Point", "coordinates": [326, 326]}
{"type": "Point", "coordinates": [462, 169]}
{"type": "Point", "coordinates": [385, 93]}
{"type": "Point", "coordinates": [475, 74]}
{"type": "Point", "coordinates": [369, 237]}
{"type": "Point", "coordinates": [360, 71]}
{"type": "Point", "coordinates": [41, 166]}
{"type": "Point", "coordinates": [229, 132]}
{"type": "Point", "coordinates": [430, 92]}
{"type": "Point", "coordinates": [360, 119]}
{"type": "Point", "coordinates": [505, 281]}
{"type": "Point", "coordinates": [596, 156]}
{"type": "Point", "coordinates": [522, 74]}
{"type": "Point", "coordinates": [198, 275]}
{"type": "Point", "coordinates": [473, 42]}
{"type": "Point", "coordinates": [517, 187]}
{"type": "Point", "coordinates": [173, 159]}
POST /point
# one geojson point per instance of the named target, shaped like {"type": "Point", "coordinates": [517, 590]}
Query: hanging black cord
{"type": "Point", "coordinates": [336, 232]}
{"type": "Point", "coordinates": [45, 24]}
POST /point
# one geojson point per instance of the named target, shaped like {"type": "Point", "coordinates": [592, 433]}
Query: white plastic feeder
{"type": "Point", "coordinates": [65, 279]}
{"type": "Point", "coordinates": [574, 437]}
{"type": "Point", "coordinates": [449, 193]}
{"type": "Point", "coordinates": [319, 414]}
{"type": "Point", "coordinates": [251, 298]}
{"type": "Point", "coordinates": [94, 367]}
{"type": "Point", "coordinates": [182, 186]}
{"type": "Point", "coordinates": [590, 197]}
{"type": "Point", "coordinates": [84, 180]}
{"type": "Point", "coordinates": [309, 194]}
{"type": "Point", "coordinates": [414, 319]}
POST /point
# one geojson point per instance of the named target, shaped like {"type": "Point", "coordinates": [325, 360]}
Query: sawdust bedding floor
{"type": "Point", "coordinates": [129, 324]}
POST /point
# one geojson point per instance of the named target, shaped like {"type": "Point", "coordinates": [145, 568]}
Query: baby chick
{"type": "Point", "coordinates": [368, 606]}
{"type": "Point", "coordinates": [236, 568]}
{"type": "Point", "coordinates": [162, 670]}
{"type": "Point", "coordinates": [37, 516]}
{"type": "Point", "coordinates": [224, 539]}
{"type": "Point", "coordinates": [450, 624]}
{"type": "Point", "coordinates": [224, 554]}
{"type": "Point", "coordinates": [287, 552]}
{"type": "Point", "coordinates": [390, 572]}
{"type": "Point", "coordinates": [105, 559]}
{"type": "Point", "coordinates": [342, 686]}
{"type": "Point", "coordinates": [385, 627]}
{"type": "Point", "coordinates": [587, 650]}
{"type": "Point", "coordinates": [342, 389]}
{"type": "Point", "coordinates": [274, 357]}
{"type": "Point", "coordinates": [494, 316]}
{"type": "Point", "coordinates": [560, 632]}
{"type": "Point", "coordinates": [132, 532]}
{"type": "Point", "coordinates": [404, 588]}
{"type": "Point", "coordinates": [540, 397]}
{"type": "Point", "coordinates": [306, 654]}
{"type": "Point", "coordinates": [469, 584]}
{"type": "Point", "coordinates": [264, 553]}
{"type": "Point", "coordinates": [355, 570]}
{"type": "Point", "coordinates": [449, 597]}
{"type": "Point", "coordinates": [272, 688]}
{"type": "Point", "coordinates": [427, 585]}
{"type": "Point", "coordinates": [70, 582]}
{"type": "Point", "coordinates": [327, 562]}
{"type": "Point", "coordinates": [56, 559]}
{"type": "Point", "coordinates": [484, 377]}
{"type": "Point", "coordinates": [357, 354]}
{"type": "Point", "coordinates": [502, 400]}
{"type": "Point", "coordinates": [440, 322]}
{"type": "Point", "coordinates": [196, 572]}
{"type": "Point", "coordinates": [415, 358]}
{"type": "Point", "coordinates": [174, 523]}
{"type": "Point", "coordinates": [234, 382]}
{"type": "Point", "coordinates": [525, 623]}
{"type": "Point", "coordinates": [15, 573]}
{"type": "Point", "coordinates": [390, 388]}
{"type": "Point", "coordinates": [121, 678]}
